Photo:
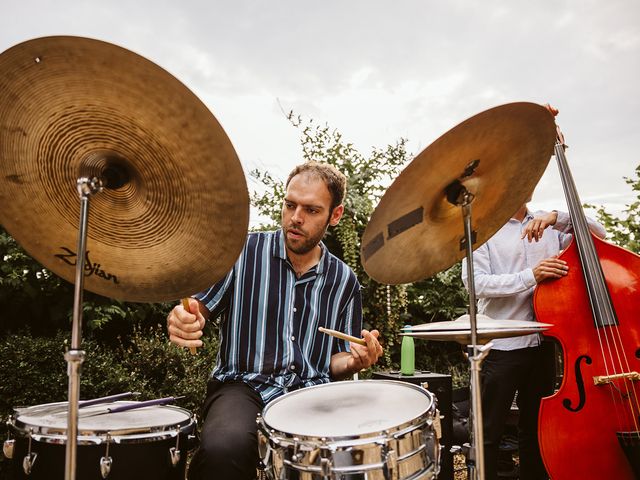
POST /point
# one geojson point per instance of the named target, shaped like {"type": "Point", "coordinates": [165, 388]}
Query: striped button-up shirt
{"type": "Point", "coordinates": [269, 318]}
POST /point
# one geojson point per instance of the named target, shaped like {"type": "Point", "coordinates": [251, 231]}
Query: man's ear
{"type": "Point", "coordinates": [336, 215]}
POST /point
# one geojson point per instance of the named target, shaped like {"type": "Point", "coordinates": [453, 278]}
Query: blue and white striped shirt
{"type": "Point", "coordinates": [269, 322]}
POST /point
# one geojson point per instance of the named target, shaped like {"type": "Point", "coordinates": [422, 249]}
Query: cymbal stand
{"type": "Point", "coordinates": [457, 194]}
{"type": "Point", "coordinates": [74, 356]}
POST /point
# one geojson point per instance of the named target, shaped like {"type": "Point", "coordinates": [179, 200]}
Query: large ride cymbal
{"type": "Point", "coordinates": [498, 155]}
{"type": "Point", "coordinates": [174, 214]}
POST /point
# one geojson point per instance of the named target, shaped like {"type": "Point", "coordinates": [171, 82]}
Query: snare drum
{"type": "Point", "coordinates": [368, 429]}
{"type": "Point", "coordinates": [149, 442]}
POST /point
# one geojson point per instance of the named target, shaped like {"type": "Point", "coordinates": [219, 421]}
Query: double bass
{"type": "Point", "coordinates": [590, 428]}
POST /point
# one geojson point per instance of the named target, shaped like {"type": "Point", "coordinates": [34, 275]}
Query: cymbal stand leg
{"type": "Point", "coordinates": [75, 356]}
{"type": "Point", "coordinates": [475, 461]}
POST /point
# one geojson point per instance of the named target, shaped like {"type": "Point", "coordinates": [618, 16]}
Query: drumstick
{"type": "Point", "coordinates": [343, 336]}
{"type": "Point", "coordinates": [133, 406]}
{"type": "Point", "coordinates": [185, 305]}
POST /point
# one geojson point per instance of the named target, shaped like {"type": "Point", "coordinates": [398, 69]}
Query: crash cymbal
{"type": "Point", "coordinates": [174, 214]}
{"type": "Point", "coordinates": [483, 322]}
{"type": "Point", "coordinates": [497, 155]}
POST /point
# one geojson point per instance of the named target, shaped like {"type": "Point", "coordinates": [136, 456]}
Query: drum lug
{"type": "Point", "coordinates": [175, 456]}
{"type": "Point", "coordinates": [106, 461]}
{"type": "Point", "coordinates": [325, 466]}
{"type": "Point", "coordinates": [392, 465]}
{"type": "Point", "coordinates": [29, 459]}
{"type": "Point", "coordinates": [389, 460]}
{"type": "Point", "coordinates": [174, 452]}
{"type": "Point", "coordinates": [105, 466]}
{"type": "Point", "coordinates": [8, 447]}
{"type": "Point", "coordinates": [296, 456]}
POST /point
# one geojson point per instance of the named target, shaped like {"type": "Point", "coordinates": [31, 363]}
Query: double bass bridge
{"type": "Point", "coordinates": [607, 379]}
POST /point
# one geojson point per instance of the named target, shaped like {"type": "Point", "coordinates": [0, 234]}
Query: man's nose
{"type": "Point", "coordinates": [298, 216]}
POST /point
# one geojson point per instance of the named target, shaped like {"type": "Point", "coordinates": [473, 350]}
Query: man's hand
{"type": "Point", "coordinates": [185, 327]}
{"type": "Point", "coordinates": [364, 357]}
{"type": "Point", "coordinates": [359, 357]}
{"type": "Point", "coordinates": [536, 227]}
{"type": "Point", "coordinates": [551, 267]}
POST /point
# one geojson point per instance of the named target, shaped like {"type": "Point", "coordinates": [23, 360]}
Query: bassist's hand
{"type": "Point", "coordinates": [548, 268]}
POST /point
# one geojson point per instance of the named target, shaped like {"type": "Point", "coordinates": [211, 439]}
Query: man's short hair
{"type": "Point", "coordinates": [335, 180]}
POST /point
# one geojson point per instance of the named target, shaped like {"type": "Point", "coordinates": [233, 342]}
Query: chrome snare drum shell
{"type": "Point", "coordinates": [381, 428]}
{"type": "Point", "coordinates": [134, 444]}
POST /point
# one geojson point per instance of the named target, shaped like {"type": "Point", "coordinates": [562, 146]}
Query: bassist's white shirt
{"type": "Point", "coordinates": [503, 272]}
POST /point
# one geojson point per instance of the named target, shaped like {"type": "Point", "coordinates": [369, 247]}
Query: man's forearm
{"type": "Point", "coordinates": [339, 366]}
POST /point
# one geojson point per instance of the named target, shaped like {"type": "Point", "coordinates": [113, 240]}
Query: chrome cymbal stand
{"type": "Point", "coordinates": [458, 195]}
{"type": "Point", "coordinates": [74, 356]}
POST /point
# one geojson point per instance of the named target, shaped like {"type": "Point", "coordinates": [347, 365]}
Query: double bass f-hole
{"type": "Point", "coordinates": [582, 396]}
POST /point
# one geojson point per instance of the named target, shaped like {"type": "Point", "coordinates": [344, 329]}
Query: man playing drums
{"type": "Point", "coordinates": [284, 285]}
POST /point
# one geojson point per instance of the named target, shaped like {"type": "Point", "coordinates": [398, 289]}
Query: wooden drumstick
{"type": "Point", "coordinates": [343, 336]}
{"type": "Point", "coordinates": [185, 305]}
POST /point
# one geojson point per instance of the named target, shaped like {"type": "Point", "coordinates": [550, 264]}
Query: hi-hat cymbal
{"type": "Point", "coordinates": [464, 337]}
{"type": "Point", "coordinates": [497, 155]}
{"type": "Point", "coordinates": [174, 214]}
{"type": "Point", "coordinates": [483, 322]}
{"type": "Point", "coordinates": [487, 329]}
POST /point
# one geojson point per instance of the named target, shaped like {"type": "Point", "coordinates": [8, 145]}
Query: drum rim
{"type": "Point", "coordinates": [346, 440]}
{"type": "Point", "coordinates": [85, 436]}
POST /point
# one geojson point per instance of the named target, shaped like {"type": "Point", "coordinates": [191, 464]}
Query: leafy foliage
{"type": "Point", "coordinates": [33, 298]}
{"type": "Point", "coordinates": [624, 231]}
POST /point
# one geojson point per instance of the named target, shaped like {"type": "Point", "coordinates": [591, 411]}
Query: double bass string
{"type": "Point", "coordinates": [612, 349]}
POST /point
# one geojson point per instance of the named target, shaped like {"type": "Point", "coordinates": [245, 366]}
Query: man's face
{"type": "Point", "coordinates": [306, 213]}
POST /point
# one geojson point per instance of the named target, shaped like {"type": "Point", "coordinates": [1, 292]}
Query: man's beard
{"type": "Point", "coordinates": [305, 244]}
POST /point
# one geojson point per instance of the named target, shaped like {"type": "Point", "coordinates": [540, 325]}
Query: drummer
{"type": "Point", "coordinates": [284, 286]}
{"type": "Point", "coordinates": [506, 269]}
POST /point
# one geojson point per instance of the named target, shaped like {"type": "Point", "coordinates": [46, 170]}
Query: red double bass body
{"type": "Point", "coordinates": [578, 426]}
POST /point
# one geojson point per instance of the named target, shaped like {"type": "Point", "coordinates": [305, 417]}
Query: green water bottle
{"type": "Point", "coordinates": [407, 354]}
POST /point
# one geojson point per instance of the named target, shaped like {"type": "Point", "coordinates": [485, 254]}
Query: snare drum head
{"type": "Point", "coordinates": [349, 408]}
{"type": "Point", "coordinates": [95, 419]}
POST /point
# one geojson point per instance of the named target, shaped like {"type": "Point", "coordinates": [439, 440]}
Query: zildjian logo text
{"type": "Point", "coordinates": [90, 268]}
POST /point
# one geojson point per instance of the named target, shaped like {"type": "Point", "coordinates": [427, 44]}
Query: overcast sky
{"type": "Point", "coordinates": [380, 70]}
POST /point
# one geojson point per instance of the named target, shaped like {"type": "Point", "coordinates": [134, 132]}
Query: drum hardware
{"type": "Point", "coordinates": [8, 447]}
{"type": "Point", "coordinates": [106, 461]}
{"type": "Point", "coordinates": [83, 123]}
{"type": "Point", "coordinates": [389, 461]}
{"type": "Point", "coordinates": [30, 458]}
{"type": "Point", "coordinates": [174, 452]}
{"type": "Point", "coordinates": [325, 466]}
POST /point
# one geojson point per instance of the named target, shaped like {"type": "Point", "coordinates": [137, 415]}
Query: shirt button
{"type": "Point", "coordinates": [292, 367]}
{"type": "Point", "coordinates": [293, 339]}
{"type": "Point", "coordinates": [295, 309]}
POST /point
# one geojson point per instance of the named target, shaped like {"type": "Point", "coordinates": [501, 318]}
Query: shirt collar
{"type": "Point", "coordinates": [280, 251]}
{"type": "Point", "coordinates": [527, 217]}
